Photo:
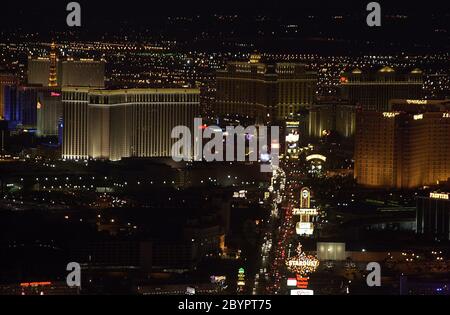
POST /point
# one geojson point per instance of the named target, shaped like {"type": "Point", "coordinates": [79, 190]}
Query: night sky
{"type": "Point", "coordinates": [426, 28]}
{"type": "Point", "coordinates": [51, 14]}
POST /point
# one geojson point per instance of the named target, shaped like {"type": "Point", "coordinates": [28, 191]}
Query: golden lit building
{"type": "Point", "coordinates": [75, 123]}
{"type": "Point", "coordinates": [83, 72]}
{"type": "Point", "coordinates": [262, 91]}
{"type": "Point", "coordinates": [331, 115]}
{"type": "Point", "coordinates": [113, 124]}
{"type": "Point", "coordinates": [373, 90]}
{"type": "Point", "coordinates": [38, 71]}
{"type": "Point", "coordinates": [403, 148]}
{"type": "Point", "coordinates": [69, 72]}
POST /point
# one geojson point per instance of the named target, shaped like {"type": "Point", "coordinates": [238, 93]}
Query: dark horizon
{"type": "Point", "coordinates": [323, 26]}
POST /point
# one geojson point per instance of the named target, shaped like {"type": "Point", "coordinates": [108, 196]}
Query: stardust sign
{"type": "Point", "coordinates": [302, 264]}
{"type": "Point", "coordinates": [307, 262]}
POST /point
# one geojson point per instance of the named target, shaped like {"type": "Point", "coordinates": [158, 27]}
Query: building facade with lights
{"type": "Point", "coordinates": [38, 71]}
{"type": "Point", "coordinates": [66, 72]}
{"type": "Point", "coordinates": [263, 91]}
{"type": "Point", "coordinates": [49, 111]}
{"type": "Point", "coordinates": [403, 149]}
{"type": "Point", "coordinates": [373, 90]}
{"type": "Point", "coordinates": [433, 216]}
{"type": "Point", "coordinates": [83, 72]}
{"type": "Point", "coordinates": [332, 115]}
{"type": "Point", "coordinates": [113, 124]}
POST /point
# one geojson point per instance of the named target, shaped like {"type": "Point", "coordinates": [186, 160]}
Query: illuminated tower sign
{"type": "Point", "coordinates": [52, 81]}
{"type": "Point", "coordinates": [302, 264]}
{"type": "Point", "coordinates": [292, 138]}
{"type": "Point", "coordinates": [305, 226]}
{"type": "Point", "coordinates": [305, 198]}
{"type": "Point", "coordinates": [241, 279]}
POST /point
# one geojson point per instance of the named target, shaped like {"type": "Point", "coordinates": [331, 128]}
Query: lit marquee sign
{"type": "Point", "coordinates": [302, 282]}
{"type": "Point", "coordinates": [35, 284]}
{"type": "Point", "coordinates": [241, 277]}
{"type": "Point", "coordinates": [390, 114]}
{"type": "Point", "coordinates": [316, 157]}
{"type": "Point", "coordinates": [304, 211]}
{"type": "Point", "coordinates": [417, 102]}
{"type": "Point", "coordinates": [292, 137]}
{"type": "Point", "coordinates": [240, 194]}
{"type": "Point", "coordinates": [436, 195]}
{"type": "Point", "coordinates": [292, 124]}
{"type": "Point", "coordinates": [291, 282]}
{"type": "Point", "coordinates": [302, 292]}
{"type": "Point", "coordinates": [302, 264]}
{"type": "Point", "coordinates": [299, 281]}
{"type": "Point", "coordinates": [304, 228]}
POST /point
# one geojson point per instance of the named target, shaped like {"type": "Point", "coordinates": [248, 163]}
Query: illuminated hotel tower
{"type": "Point", "coordinates": [113, 124]}
{"type": "Point", "coordinates": [373, 90]}
{"type": "Point", "coordinates": [75, 119]}
{"type": "Point", "coordinates": [407, 147]}
{"type": "Point", "coordinates": [264, 91]}
{"type": "Point", "coordinates": [52, 79]}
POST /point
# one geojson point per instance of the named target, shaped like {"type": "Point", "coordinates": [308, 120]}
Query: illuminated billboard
{"type": "Point", "coordinates": [316, 157]}
{"type": "Point", "coordinates": [436, 195]}
{"type": "Point", "coordinates": [302, 264]}
{"type": "Point", "coordinates": [302, 292]}
{"type": "Point", "coordinates": [304, 228]}
{"type": "Point", "coordinates": [292, 138]}
{"type": "Point", "coordinates": [291, 282]}
{"type": "Point", "coordinates": [304, 211]}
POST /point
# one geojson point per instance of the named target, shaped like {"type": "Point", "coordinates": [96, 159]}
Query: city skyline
{"type": "Point", "coordinates": [315, 153]}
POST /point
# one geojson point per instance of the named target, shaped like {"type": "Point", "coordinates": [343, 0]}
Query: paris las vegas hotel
{"type": "Point", "coordinates": [108, 124]}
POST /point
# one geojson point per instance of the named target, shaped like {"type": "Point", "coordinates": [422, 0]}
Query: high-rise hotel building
{"type": "Point", "coordinates": [113, 124]}
{"type": "Point", "coordinates": [373, 90]}
{"type": "Point", "coordinates": [264, 92]}
{"type": "Point", "coordinates": [48, 111]}
{"type": "Point", "coordinates": [331, 115]}
{"type": "Point", "coordinates": [46, 76]}
{"type": "Point", "coordinates": [406, 147]}
{"type": "Point", "coordinates": [69, 72]}
{"type": "Point", "coordinates": [433, 216]}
